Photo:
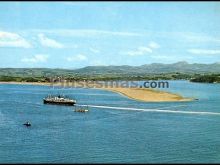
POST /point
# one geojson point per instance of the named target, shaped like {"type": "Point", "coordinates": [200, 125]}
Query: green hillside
{"type": "Point", "coordinates": [155, 71]}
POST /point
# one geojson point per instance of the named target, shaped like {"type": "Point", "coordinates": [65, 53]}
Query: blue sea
{"type": "Point", "coordinates": [60, 135]}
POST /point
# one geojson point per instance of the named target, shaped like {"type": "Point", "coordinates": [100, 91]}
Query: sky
{"type": "Point", "coordinates": [78, 34]}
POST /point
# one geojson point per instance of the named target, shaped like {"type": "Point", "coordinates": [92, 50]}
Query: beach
{"type": "Point", "coordinates": [139, 94]}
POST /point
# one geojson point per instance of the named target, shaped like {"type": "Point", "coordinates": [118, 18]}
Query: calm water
{"type": "Point", "coordinates": [58, 134]}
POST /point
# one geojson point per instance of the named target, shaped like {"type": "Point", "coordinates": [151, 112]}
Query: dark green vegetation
{"type": "Point", "coordinates": [156, 71]}
{"type": "Point", "coordinates": [210, 78]}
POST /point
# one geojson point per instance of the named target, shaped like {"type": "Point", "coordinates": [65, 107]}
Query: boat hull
{"type": "Point", "coordinates": [59, 102]}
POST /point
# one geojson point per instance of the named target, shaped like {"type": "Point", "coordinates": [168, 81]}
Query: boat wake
{"type": "Point", "coordinates": [154, 110]}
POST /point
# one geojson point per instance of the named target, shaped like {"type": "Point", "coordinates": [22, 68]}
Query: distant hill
{"type": "Point", "coordinates": [154, 68]}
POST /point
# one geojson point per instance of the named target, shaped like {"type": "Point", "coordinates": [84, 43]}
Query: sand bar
{"type": "Point", "coordinates": [149, 95]}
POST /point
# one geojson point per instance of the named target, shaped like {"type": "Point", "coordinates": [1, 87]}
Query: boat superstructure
{"type": "Point", "coordinates": [61, 100]}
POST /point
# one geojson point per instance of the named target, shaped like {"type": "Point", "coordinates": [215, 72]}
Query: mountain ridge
{"type": "Point", "coordinates": [154, 68]}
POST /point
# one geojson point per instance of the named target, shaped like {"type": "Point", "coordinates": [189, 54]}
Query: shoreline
{"type": "Point", "coordinates": [25, 83]}
{"type": "Point", "coordinates": [138, 94]}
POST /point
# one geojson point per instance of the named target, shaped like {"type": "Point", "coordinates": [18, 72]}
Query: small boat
{"type": "Point", "coordinates": [81, 109]}
{"type": "Point", "coordinates": [28, 124]}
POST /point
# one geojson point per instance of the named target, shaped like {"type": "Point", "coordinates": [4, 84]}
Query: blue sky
{"type": "Point", "coordinates": [78, 34]}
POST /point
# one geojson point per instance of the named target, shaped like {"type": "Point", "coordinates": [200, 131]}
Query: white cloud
{"type": "Point", "coordinates": [36, 58]}
{"type": "Point", "coordinates": [86, 32]}
{"type": "Point", "coordinates": [94, 50]}
{"type": "Point", "coordinates": [204, 51]}
{"type": "Point", "coordinates": [143, 49]}
{"type": "Point", "coordinates": [79, 57]}
{"type": "Point", "coordinates": [199, 38]}
{"type": "Point", "coordinates": [153, 45]}
{"type": "Point", "coordinates": [47, 42]}
{"type": "Point", "coordinates": [182, 36]}
{"type": "Point", "coordinates": [13, 40]}
{"type": "Point", "coordinates": [139, 51]}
